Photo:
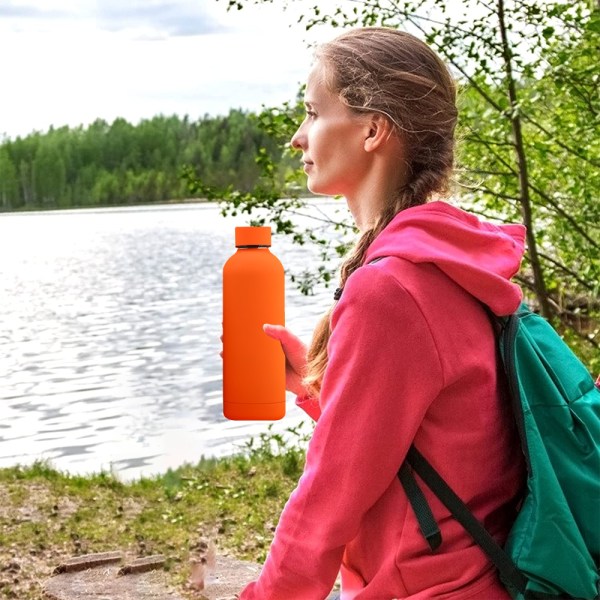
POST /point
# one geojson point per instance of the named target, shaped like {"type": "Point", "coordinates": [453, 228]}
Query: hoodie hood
{"type": "Point", "coordinates": [479, 256]}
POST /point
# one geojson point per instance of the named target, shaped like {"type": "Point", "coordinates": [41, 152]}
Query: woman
{"type": "Point", "coordinates": [407, 353]}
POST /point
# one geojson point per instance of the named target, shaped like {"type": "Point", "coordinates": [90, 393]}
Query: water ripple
{"type": "Point", "coordinates": [109, 337]}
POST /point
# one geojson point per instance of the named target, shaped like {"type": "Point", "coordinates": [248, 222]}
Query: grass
{"type": "Point", "coordinates": [47, 516]}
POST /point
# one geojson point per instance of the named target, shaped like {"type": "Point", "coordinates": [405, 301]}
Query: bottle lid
{"type": "Point", "coordinates": [252, 236]}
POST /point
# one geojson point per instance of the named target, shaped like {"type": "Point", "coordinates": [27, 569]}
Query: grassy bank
{"type": "Point", "coordinates": [47, 516]}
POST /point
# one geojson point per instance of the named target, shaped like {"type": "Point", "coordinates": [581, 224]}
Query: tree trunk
{"type": "Point", "coordinates": [524, 198]}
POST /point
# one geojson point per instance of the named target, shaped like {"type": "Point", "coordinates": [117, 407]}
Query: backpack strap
{"type": "Point", "coordinates": [459, 510]}
{"type": "Point", "coordinates": [427, 523]}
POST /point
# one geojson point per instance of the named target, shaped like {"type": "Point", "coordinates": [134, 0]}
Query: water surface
{"type": "Point", "coordinates": [109, 336]}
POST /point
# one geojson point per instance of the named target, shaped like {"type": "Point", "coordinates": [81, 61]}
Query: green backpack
{"type": "Point", "coordinates": [553, 548]}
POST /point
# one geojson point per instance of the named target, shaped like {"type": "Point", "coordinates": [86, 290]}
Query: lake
{"type": "Point", "coordinates": [109, 335]}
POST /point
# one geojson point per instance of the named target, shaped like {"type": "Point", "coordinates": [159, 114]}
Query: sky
{"type": "Point", "coordinates": [69, 62]}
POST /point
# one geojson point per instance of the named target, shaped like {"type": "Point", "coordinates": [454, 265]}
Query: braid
{"type": "Point", "coordinates": [356, 258]}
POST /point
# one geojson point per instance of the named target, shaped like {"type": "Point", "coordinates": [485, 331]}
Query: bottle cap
{"type": "Point", "coordinates": [252, 236]}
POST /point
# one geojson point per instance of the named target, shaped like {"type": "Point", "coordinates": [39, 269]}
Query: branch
{"type": "Point", "coordinates": [493, 152]}
{"type": "Point", "coordinates": [493, 142]}
{"type": "Point", "coordinates": [564, 214]}
{"type": "Point", "coordinates": [325, 219]}
{"type": "Point", "coordinates": [475, 188]}
{"type": "Point", "coordinates": [468, 77]}
{"type": "Point", "coordinates": [568, 271]}
{"type": "Point", "coordinates": [581, 92]}
{"type": "Point", "coordinates": [484, 172]}
{"type": "Point", "coordinates": [466, 32]}
{"type": "Point", "coordinates": [490, 217]}
{"type": "Point", "coordinates": [592, 162]}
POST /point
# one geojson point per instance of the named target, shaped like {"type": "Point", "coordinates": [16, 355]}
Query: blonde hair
{"type": "Point", "coordinates": [378, 69]}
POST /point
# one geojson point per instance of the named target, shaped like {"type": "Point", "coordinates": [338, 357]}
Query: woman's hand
{"type": "Point", "coordinates": [295, 356]}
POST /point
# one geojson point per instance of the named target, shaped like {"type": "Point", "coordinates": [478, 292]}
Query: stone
{"type": "Point", "coordinates": [96, 577]}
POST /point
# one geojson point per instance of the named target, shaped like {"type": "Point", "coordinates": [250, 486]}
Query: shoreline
{"type": "Point", "coordinates": [48, 209]}
{"type": "Point", "coordinates": [152, 204]}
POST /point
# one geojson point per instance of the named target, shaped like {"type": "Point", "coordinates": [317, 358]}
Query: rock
{"type": "Point", "coordinates": [96, 576]}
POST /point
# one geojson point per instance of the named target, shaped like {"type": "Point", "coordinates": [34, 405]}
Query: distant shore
{"type": "Point", "coordinates": [27, 209]}
{"type": "Point", "coordinates": [170, 202]}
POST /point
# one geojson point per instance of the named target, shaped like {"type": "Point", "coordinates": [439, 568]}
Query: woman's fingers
{"type": "Point", "coordinates": [292, 345]}
{"type": "Point", "coordinates": [295, 355]}
{"type": "Point", "coordinates": [274, 331]}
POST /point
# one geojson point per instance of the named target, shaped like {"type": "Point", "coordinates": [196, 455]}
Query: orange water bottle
{"type": "Point", "coordinates": [253, 363]}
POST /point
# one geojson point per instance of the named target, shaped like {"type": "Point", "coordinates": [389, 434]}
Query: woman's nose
{"type": "Point", "coordinates": [297, 141]}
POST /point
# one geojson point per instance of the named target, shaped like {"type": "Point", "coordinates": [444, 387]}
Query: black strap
{"type": "Point", "coordinates": [509, 573]}
{"type": "Point", "coordinates": [427, 523]}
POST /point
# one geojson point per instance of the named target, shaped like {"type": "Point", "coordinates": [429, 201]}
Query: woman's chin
{"type": "Point", "coordinates": [319, 190]}
{"type": "Point", "coordinates": [312, 186]}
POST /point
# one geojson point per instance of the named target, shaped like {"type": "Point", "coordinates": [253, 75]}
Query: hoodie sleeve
{"type": "Point", "coordinates": [310, 406]}
{"type": "Point", "coordinates": [383, 373]}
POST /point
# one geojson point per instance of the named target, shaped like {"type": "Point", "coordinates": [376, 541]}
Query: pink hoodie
{"type": "Point", "coordinates": [411, 357]}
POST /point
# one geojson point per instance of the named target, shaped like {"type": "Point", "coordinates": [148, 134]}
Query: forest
{"type": "Point", "coordinates": [114, 163]}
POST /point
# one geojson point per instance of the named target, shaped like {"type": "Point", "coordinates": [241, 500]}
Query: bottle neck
{"type": "Point", "coordinates": [249, 247]}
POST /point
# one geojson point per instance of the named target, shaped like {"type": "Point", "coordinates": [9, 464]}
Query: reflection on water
{"type": "Point", "coordinates": [109, 336]}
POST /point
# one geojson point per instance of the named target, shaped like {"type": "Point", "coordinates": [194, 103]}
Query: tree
{"type": "Point", "coordinates": [8, 181]}
{"type": "Point", "coordinates": [49, 174]}
{"type": "Point", "coordinates": [530, 148]}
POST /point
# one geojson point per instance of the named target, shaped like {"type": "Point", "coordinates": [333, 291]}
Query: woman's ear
{"type": "Point", "coordinates": [379, 129]}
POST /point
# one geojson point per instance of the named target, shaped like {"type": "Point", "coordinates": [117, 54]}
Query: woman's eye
{"type": "Point", "coordinates": [311, 113]}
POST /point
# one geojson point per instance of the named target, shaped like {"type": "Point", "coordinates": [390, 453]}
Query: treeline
{"type": "Point", "coordinates": [121, 163]}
